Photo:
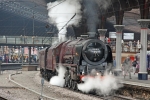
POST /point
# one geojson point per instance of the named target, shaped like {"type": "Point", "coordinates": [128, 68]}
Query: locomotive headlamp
{"type": "Point", "coordinates": [97, 74]}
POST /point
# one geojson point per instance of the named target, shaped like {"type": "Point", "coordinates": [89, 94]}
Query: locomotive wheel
{"type": "Point", "coordinates": [66, 78]}
{"type": "Point", "coordinates": [42, 74]}
{"type": "Point", "coordinates": [46, 76]}
{"type": "Point", "coordinates": [40, 71]}
{"type": "Point", "coordinates": [69, 81]}
{"type": "Point", "coordinates": [74, 85]}
{"type": "Point", "coordinates": [66, 82]}
{"type": "Point", "coordinates": [49, 76]}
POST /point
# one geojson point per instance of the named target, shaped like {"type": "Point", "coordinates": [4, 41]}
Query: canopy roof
{"type": "Point", "coordinates": [30, 18]}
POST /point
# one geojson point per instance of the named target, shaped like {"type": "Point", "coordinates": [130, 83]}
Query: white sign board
{"type": "Point", "coordinates": [128, 36]}
{"type": "Point", "coordinates": [112, 35]}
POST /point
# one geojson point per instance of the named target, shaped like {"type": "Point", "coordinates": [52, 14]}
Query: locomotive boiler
{"type": "Point", "coordinates": [78, 56]}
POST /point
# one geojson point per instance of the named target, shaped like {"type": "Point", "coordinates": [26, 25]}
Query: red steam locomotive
{"type": "Point", "coordinates": [78, 56]}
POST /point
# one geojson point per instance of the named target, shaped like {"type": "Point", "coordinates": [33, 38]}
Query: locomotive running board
{"type": "Point", "coordinates": [69, 64]}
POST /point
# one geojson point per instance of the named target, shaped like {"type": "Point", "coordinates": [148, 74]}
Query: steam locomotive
{"type": "Point", "coordinates": [78, 56]}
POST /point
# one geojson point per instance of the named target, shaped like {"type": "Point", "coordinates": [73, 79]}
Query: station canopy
{"type": "Point", "coordinates": [30, 18]}
{"type": "Point", "coordinates": [24, 17]}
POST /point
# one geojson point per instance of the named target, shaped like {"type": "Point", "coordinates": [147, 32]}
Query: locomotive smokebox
{"type": "Point", "coordinates": [92, 34]}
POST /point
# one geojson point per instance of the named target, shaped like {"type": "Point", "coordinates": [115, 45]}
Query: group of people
{"type": "Point", "coordinates": [128, 65]}
{"type": "Point", "coordinates": [130, 46]}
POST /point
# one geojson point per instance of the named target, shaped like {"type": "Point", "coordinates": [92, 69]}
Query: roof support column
{"type": "Point", "coordinates": [102, 33]}
{"type": "Point", "coordinates": [103, 21]}
{"type": "Point", "coordinates": [22, 53]}
{"type": "Point", "coordinates": [119, 29]}
{"type": "Point", "coordinates": [142, 75]}
{"type": "Point", "coordinates": [144, 8]}
{"type": "Point", "coordinates": [119, 17]}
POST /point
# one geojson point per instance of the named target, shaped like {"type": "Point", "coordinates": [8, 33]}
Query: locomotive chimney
{"type": "Point", "coordinates": [92, 34]}
{"type": "Point", "coordinates": [102, 33]}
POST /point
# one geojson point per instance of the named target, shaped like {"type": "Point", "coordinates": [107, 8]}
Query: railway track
{"type": "Point", "coordinates": [112, 97]}
{"type": "Point", "coordinates": [23, 87]}
{"type": "Point", "coordinates": [1, 98]}
{"type": "Point", "coordinates": [3, 87]}
{"type": "Point", "coordinates": [123, 97]}
{"type": "Point", "coordinates": [109, 97]}
{"type": "Point", "coordinates": [13, 66]}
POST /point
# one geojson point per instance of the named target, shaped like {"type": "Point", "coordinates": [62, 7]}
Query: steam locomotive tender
{"type": "Point", "coordinates": [78, 56]}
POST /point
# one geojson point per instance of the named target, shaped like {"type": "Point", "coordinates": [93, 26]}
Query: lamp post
{"type": "Point", "coordinates": [24, 35]}
{"type": "Point", "coordinates": [33, 29]}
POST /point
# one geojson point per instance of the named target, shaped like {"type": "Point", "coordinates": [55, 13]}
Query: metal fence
{"type": "Point", "coordinates": [27, 40]}
{"type": "Point", "coordinates": [125, 47]}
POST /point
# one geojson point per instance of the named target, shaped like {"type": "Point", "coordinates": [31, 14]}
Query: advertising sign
{"type": "Point", "coordinates": [128, 36]}
{"type": "Point", "coordinates": [112, 35]}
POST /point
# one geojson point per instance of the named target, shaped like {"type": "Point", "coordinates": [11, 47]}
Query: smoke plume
{"type": "Point", "coordinates": [59, 80]}
{"type": "Point", "coordinates": [92, 11]}
{"type": "Point", "coordinates": [91, 14]}
{"type": "Point", "coordinates": [62, 13]}
{"type": "Point", "coordinates": [103, 4]}
{"type": "Point", "coordinates": [101, 85]}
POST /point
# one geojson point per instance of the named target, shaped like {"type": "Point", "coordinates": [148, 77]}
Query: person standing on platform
{"type": "Point", "coordinates": [127, 67]}
{"type": "Point", "coordinates": [108, 41]}
{"type": "Point", "coordinates": [137, 67]}
{"type": "Point", "coordinates": [122, 45]}
{"type": "Point", "coordinates": [0, 64]}
{"type": "Point", "coordinates": [114, 63]}
{"type": "Point", "coordinates": [114, 66]}
{"type": "Point", "coordinates": [134, 45]}
{"type": "Point", "coordinates": [134, 63]}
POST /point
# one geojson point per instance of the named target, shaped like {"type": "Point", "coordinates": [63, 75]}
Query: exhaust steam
{"type": "Point", "coordinates": [61, 14]}
{"type": "Point", "coordinates": [59, 80]}
{"type": "Point", "coordinates": [102, 85]}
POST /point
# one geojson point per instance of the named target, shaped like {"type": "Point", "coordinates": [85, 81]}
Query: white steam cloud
{"type": "Point", "coordinates": [102, 85]}
{"type": "Point", "coordinates": [62, 13]}
{"type": "Point", "coordinates": [59, 80]}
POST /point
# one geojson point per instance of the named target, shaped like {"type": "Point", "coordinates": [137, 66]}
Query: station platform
{"type": "Point", "coordinates": [134, 81]}
{"type": "Point", "coordinates": [134, 88]}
